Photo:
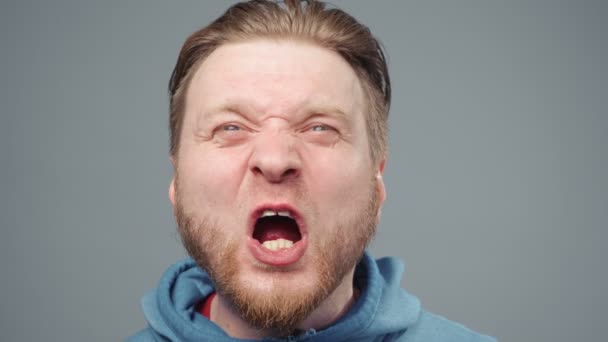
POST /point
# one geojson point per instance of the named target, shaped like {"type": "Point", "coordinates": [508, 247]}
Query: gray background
{"type": "Point", "coordinates": [497, 190]}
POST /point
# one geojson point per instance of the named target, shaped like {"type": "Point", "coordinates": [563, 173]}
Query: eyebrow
{"type": "Point", "coordinates": [248, 110]}
{"type": "Point", "coordinates": [226, 108]}
{"type": "Point", "coordinates": [332, 111]}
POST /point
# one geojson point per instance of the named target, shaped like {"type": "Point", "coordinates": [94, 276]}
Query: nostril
{"type": "Point", "coordinates": [275, 176]}
{"type": "Point", "coordinates": [257, 170]}
{"type": "Point", "coordinates": [289, 173]}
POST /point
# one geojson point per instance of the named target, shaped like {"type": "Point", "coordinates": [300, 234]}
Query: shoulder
{"type": "Point", "coordinates": [432, 327]}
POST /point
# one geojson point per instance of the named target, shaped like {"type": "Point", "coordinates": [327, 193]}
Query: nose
{"type": "Point", "coordinates": [275, 157]}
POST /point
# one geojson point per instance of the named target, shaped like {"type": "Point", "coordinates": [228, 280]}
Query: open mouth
{"type": "Point", "coordinates": [276, 230]}
{"type": "Point", "coordinates": [278, 235]}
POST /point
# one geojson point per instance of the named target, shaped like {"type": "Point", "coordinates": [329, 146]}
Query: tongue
{"type": "Point", "coordinates": [274, 229]}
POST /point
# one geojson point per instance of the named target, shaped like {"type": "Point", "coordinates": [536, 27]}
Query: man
{"type": "Point", "coordinates": [278, 115]}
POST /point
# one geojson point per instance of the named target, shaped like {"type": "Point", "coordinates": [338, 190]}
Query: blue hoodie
{"type": "Point", "coordinates": [383, 311]}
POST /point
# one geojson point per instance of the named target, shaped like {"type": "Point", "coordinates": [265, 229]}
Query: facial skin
{"type": "Point", "coordinates": [276, 122]}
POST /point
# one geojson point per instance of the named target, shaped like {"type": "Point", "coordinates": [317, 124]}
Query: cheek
{"type": "Point", "coordinates": [211, 178]}
{"type": "Point", "coordinates": [339, 177]}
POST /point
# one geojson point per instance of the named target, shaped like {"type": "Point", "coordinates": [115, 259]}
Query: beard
{"type": "Point", "coordinates": [282, 309]}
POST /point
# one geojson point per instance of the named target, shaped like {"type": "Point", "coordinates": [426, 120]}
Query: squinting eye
{"type": "Point", "coordinates": [319, 128]}
{"type": "Point", "coordinates": [228, 134]}
{"type": "Point", "coordinates": [231, 128]}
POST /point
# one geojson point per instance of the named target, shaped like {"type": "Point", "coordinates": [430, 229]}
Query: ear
{"type": "Point", "coordinates": [380, 182]}
{"type": "Point", "coordinates": [172, 183]}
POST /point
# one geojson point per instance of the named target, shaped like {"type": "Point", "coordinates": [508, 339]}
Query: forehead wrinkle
{"type": "Point", "coordinates": [275, 88]}
{"type": "Point", "coordinates": [339, 100]}
{"type": "Point", "coordinates": [301, 111]}
{"type": "Point", "coordinates": [251, 109]}
{"type": "Point", "coordinates": [227, 107]}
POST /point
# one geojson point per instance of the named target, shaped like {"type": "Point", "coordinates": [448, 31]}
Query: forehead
{"type": "Point", "coordinates": [275, 76]}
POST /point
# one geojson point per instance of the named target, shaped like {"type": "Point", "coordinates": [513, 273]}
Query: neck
{"type": "Point", "coordinates": [328, 312]}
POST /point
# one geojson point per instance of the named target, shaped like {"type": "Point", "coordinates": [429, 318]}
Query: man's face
{"type": "Point", "coordinates": [275, 193]}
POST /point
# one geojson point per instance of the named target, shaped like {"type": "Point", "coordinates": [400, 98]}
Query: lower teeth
{"type": "Point", "coordinates": [275, 245]}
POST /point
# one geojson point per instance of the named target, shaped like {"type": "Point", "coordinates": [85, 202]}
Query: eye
{"type": "Point", "coordinates": [230, 133]}
{"type": "Point", "coordinates": [320, 128]}
{"type": "Point", "coordinates": [321, 134]}
{"type": "Point", "coordinates": [231, 127]}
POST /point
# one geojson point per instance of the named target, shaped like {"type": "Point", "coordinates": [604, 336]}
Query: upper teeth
{"type": "Point", "coordinates": [268, 212]}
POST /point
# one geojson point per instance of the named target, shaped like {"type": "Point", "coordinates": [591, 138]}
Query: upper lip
{"type": "Point", "coordinates": [293, 212]}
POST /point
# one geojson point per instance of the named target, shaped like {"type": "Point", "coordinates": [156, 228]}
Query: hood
{"type": "Point", "coordinates": [382, 309]}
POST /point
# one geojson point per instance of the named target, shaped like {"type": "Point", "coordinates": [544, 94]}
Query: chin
{"type": "Point", "coordinates": [265, 278]}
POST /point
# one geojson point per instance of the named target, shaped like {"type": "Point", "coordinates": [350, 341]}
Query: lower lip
{"type": "Point", "coordinates": [281, 257]}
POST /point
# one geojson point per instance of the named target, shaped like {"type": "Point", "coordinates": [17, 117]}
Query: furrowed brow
{"type": "Point", "coordinates": [245, 110]}
{"type": "Point", "coordinates": [332, 112]}
{"type": "Point", "coordinates": [228, 108]}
